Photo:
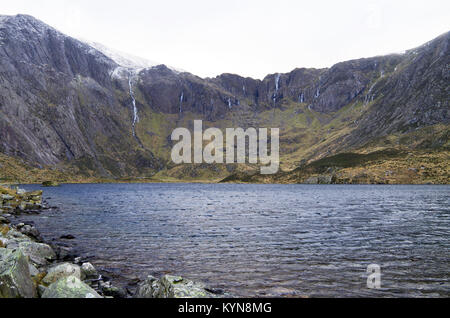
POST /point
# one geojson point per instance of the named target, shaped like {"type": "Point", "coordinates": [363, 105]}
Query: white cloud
{"type": "Point", "coordinates": [252, 37]}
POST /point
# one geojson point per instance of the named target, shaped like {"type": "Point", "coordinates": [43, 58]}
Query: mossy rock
{"type": "Point", "coordinates": [70, 287]}
{"type": "Point", "coordinates": [61, 271]}
{"type": "Point", "coordinates": [172, 287]}
{"type": "Point", "coordinates": [38, 253]}
{"type": "Point", "coordinates": [15, 278]}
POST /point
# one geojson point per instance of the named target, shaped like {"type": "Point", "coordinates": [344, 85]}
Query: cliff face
{"type": "Point", "coordinates": [58, 101]}
{"type": "Point", "coordinates": [63, 102]}
{"type": "Point", "coordinates": [414, 95]}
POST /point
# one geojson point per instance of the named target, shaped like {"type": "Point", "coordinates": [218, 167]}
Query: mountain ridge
{"type": "Point", "coordinates": [67, 105]}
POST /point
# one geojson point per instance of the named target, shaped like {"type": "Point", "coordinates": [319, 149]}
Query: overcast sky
{"type": "Point", "coordinates": [246, 37]}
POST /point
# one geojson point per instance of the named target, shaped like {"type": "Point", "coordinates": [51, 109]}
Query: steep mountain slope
{"type": "Point", "coordinates": [66, 104]}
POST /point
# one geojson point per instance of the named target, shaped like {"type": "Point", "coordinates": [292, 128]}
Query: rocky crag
{"type": "Point", "coordinates": [30, 268]}
{"type": "Point", "coordinates": [76, 112]}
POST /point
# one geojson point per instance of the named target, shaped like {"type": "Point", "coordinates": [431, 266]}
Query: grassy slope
{"type": "Point", "coordinates": [305, 137]}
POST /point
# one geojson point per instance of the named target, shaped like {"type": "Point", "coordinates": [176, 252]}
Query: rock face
{"type": "Point", "coordinates": [172, 287]}
{"type": "Point", "coordinates": [63, 101]}
{"type": "Point", "coordinates": [15, 278]}
{"type": "Point", "coordinates": [70, 287]}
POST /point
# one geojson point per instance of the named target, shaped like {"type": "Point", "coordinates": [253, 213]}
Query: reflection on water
{"type": "Point", "coordinates": [255, 240]}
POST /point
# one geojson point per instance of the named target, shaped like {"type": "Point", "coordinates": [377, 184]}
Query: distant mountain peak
{"type": "Point", "coordinates": [125, 61]}
{"type": "Point", "coordinates": [121, 58]}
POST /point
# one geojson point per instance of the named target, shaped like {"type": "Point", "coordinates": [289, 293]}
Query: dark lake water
{"type": "Point", "coordinates": [256, 240]}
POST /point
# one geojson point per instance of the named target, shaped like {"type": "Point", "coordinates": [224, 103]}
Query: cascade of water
{"type": "Point", "coordinates": [277, 82]}
{"type": "Point", "coordinates": [317, 95]}
{"type": "Point", "coordinates": [133, 99]}
{"type": "Point", "coordinates": [181, 102]}
{"type": "Point", "coordinates": [230, 105]}
{"type": "Point", "coordinates": [277, 88]}
{"type": "Point", "coordinates": [301, 98]}
{"type": "Point", "coordinates": [370, 97]}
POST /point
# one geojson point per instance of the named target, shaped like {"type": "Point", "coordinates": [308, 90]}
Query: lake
{"type": "Point", "coordinates": [262, 240]}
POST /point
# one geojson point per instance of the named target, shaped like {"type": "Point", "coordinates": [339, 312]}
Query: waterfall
{"type": "Point", "coordinates": [277, 82]}
{"type": "Point", "coordinates": [230, 105]}
{"type": "Point", "coordinates": [135, 110]}
{"type": "Point", "coordinates": [301, 98]}
{"type": "Point", "coordinates": [370, 97]}
{"type": "Point", "coordinates": [181, 102]}
{"type": "Point", "coordinates": [277, 88]}
{"type": "Point", "coordinates": [318, 88]}
{"type": "Point", "coordinates": [317, 93]}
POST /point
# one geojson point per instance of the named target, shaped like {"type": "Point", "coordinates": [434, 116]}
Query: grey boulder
{"type": "Point", "coordinates": [70, 287]}
{"type": "Point", "coordinates": [88, 271]}
{"type": "Point", "coordinates": [172, 287]}
{"type": "Point", "coordinates": [15, 278]}
{"type": "Point", "coordinates": [38, 253]}
{"type": "Point", "coordinates": [61, 271]}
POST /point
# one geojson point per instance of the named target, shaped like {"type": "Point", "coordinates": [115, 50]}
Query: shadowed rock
{"type": "Point", "coordinates": [15, 278]}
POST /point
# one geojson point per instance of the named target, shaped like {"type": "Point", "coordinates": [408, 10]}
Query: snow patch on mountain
{"type": "Point", "coordinates": [125, 61]}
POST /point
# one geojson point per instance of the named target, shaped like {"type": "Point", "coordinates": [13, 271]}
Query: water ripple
{"type": "Point", "coordinates": [254, 239]}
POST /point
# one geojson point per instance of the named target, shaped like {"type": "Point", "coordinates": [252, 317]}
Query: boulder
{"type": "Point", "coordinates": [6, 197]}
{"type": "Point", "coordinates": [12, 238]}
{"type": "Point", "coordinates": [88, 271]}
{"type": "Point", "coordinates": [148, 289]}
{"type": "Point", "coordinates": [66, 253]}
{"type": "Point", "coordinates": [41, 290]}
{"type": "Point", "coordinates": [7, 209]}
{"type": "Point", "coordinates": [172, 287]}
{"type": "Point", "coordinates": [115, 292]}
{"type": "Point", "coordinates": [61, 271]}
{"type": "Point", "coordinates": [14, 234]}
{"type": "Point", "coordinates": [38, 253]}
{"type": "Point", "coordinates": [15, 278]}
{"type": "Point", "coordinates": [50, 184]}
{"type": "Point", "coordinates": [321, 179]}
{"type": "Point", "coordinates": [326, 179]}
{"type": "Point", "coordinates": [312, 180]}
{"type": "Point", "coordinates": [29, 206]}
{"type": "Point", "coordinates": [70, 287]}
{"type": "Point", "coordinates": [4, 220]}
{"type": "Point", "coordinates": [35, 196]}
{"type": "Point", "coordinates": [30, 231]}
{"type": "Point", "coordinates": [33, 270]}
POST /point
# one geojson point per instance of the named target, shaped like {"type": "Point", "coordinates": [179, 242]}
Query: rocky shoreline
{"type": "Point", "coordinates": [32, 268]}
